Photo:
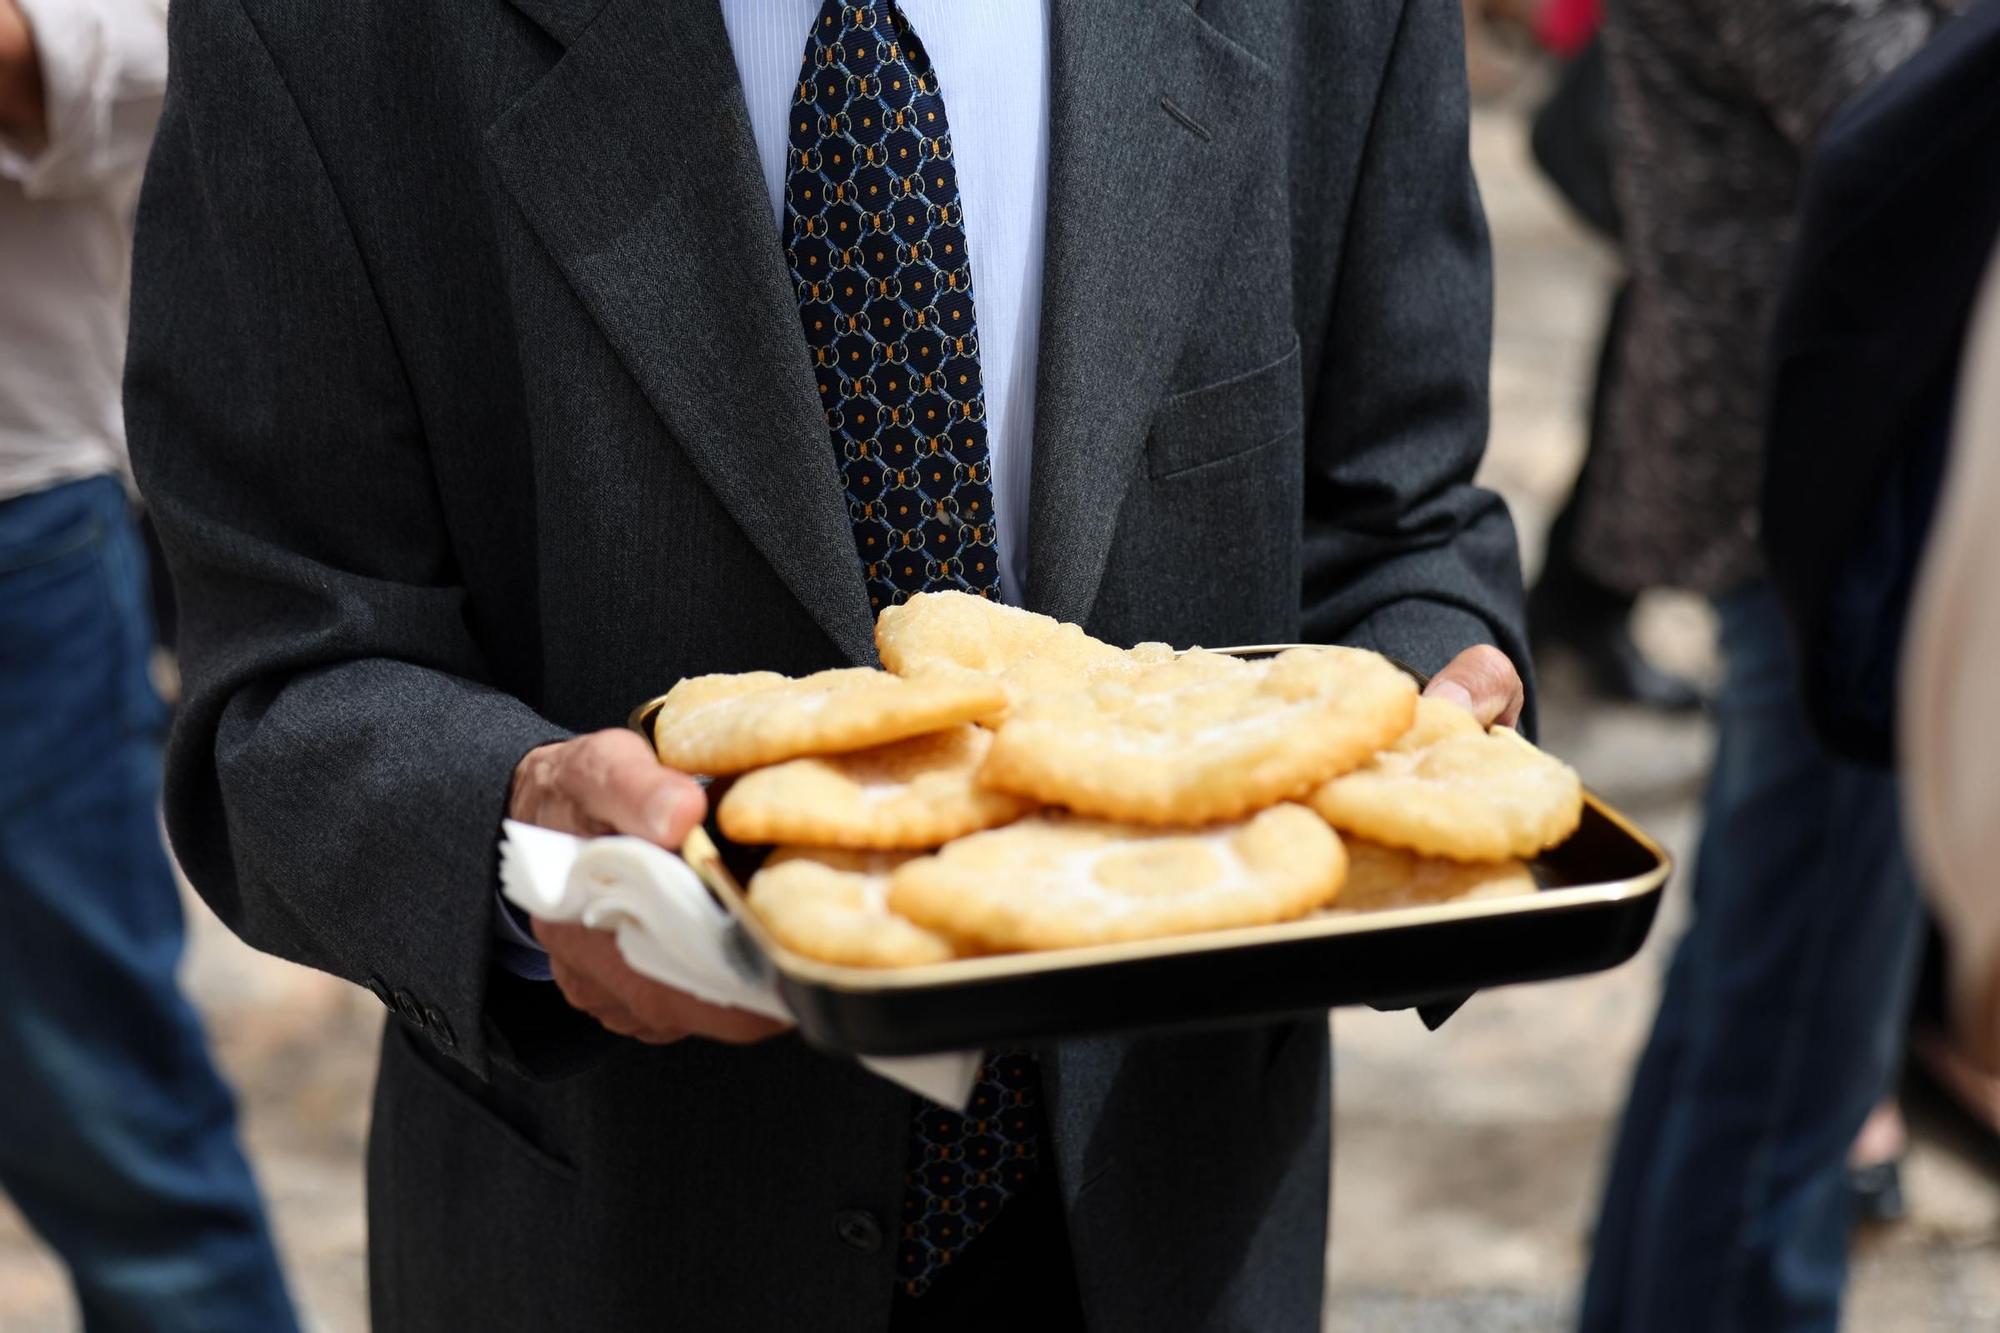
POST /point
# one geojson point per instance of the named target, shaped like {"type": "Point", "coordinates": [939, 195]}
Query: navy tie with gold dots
{"type": "Point", "coordinates": [875, 234]}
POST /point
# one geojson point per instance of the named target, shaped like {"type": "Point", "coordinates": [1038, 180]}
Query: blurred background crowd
{"type": "Point", "coordinates": [1773, 1109]}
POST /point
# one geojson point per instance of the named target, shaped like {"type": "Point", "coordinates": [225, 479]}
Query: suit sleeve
{"type": "Point", "coordinates": [1403, 553]}
{"type": "Point", "coordinates": [341, 762]}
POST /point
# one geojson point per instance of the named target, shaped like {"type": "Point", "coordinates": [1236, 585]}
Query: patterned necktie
{"type": "Point", "coordinates": [876, 238]}
{"type": "Point", "coordinates": [875, 235]}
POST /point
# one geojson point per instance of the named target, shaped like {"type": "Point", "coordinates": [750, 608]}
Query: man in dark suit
{"type": "Point", "coordinates": [480, 390]}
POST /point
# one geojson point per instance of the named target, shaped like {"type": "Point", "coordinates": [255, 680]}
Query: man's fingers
{"type": "Point", "coordinates": [617, 779]}
{"type": "Point", "coordinates": [584, 991]}
{"type": "Point", "coordinates": [1482, 680]}
{"type": "Point", "coordinates": [662, 1008]}
{"type": "Point", "coordinates": [1452, 692]}
{"type": "Point", "coordinates": [596, 979]}
{"type": "Point", "coordinates": [606, 782]}
{"type": "Point", "coordinates": [595, 1000]}
{"type": "Point", "coordinates": [577, 969]}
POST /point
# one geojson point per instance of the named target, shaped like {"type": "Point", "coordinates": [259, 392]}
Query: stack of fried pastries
{"type": "Point", "coordinates": [1011, 783]}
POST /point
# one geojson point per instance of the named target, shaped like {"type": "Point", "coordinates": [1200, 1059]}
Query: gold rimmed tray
{"type": "Point", "coordinates": [1599, 891]}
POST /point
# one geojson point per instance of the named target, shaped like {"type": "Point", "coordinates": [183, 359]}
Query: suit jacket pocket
{"type": "Point", "coordinates": [1233, 416]}
{"type": "Point", "coordinates": [456, 1097]}
{"type": "Point", "coordinates": [471, 1223]}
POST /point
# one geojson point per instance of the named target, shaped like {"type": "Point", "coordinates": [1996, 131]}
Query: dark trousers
{"type": "Point", "coordinates": [117, 1138]}
{"type": "Point", "coordinates": [1780, 1026]}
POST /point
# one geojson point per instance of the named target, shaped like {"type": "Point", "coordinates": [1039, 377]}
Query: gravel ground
{"type": "Point", "coordinates": [1468, 1159]}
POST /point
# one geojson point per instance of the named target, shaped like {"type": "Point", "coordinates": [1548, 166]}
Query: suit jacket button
{"type": "Point", "coordinates": [858, 1229]}
{"type": "Point", "coordinates": [407, 1006]}
{"type": "Point", "coordinates": [439, 1025]}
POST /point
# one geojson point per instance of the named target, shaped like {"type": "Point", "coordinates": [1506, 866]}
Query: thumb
{"type": "Point", "coordinates": [624, 785]}
{"type": "Point", "coordinates": [1482, 680]}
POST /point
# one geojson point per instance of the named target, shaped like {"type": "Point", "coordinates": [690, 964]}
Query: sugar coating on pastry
{"type": "Point", "coordinates": [1381, 877]}
{"type": "Point", "coordinates": [908, 795]}
{"type": "Point", "coordinates": [1055, 881]}
{"type": "Point", "coordinates": [1202, 736]}
{"type": "Point", "coordinates": [728, 723]}
{"type": "Point", "coordinates": [942, 633]}
{"type": "Point", "coordinates": [1457, 791]}
{"type": "Point", "coordinates": [833, 906]}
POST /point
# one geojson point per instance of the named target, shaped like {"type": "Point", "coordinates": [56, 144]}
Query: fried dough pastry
{"type": "Point", "coordinates": [1054, 881]}
{"type": "Point", "coordinates": [1202, 736]}
{"type": "Point", "coordinates": [908, 795]}
{"type": "Point", "coordinates": [1451, 789]}
{"type": "Point", "coordinates": [729, 723]}
{"type": "Point", "coordinates": [832, 905]}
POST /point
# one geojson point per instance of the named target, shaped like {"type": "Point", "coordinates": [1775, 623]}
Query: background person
{"type": "Point", "coordinates": [1570, 608]}
{"type": "Point", "coordinates": [117, 1137]}
{"type": "Point", "coordinates": [1898, 221]}
{"type": "Point", "coordinates": [1781, 1021]}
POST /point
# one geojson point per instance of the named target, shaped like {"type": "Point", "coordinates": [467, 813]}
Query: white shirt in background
{"type": "Point", "coordinates": [992, 61]}
{"type": "Point", "coordinates": [66, 239]}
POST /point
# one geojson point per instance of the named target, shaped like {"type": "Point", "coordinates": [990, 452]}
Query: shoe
{"type": "Point", "coordinates": [1567, 608]}
{"type": "Point", "coordinates": [1620, 671]}
{"type": "Point", "coordinates": [1877, 1192]}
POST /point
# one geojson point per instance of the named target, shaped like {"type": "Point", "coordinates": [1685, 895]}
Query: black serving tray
{"type": "Point", "coordinates": [1599, 892]}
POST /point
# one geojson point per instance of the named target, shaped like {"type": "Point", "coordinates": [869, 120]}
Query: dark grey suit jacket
{"type": "Point", "coordinates": [467, 387]}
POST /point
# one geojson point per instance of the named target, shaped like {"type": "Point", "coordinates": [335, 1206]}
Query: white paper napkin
{"type": "Point", "coordinates": [669, 928]}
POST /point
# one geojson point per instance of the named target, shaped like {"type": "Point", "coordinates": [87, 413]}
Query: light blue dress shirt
{"type": "Point", "coordinates": [992, 62]}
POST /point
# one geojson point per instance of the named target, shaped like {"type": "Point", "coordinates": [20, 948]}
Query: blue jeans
{"type": "Point", "coordinates": [117, 1137]}
{"type": "Point", "coordinates": [1780, 1026]}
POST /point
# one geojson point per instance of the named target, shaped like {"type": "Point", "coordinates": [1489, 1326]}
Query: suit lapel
{"type": "Point", "coordinates": [563, 20]}
{"type": "Point", "coordinates": [633, 161]}
{"type": "Point", "coordinates": [1148, 110]}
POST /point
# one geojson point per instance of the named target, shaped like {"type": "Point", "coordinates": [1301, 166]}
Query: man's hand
{"type": "Point", "coordinates": [1483, 680]}
{"type": "Point", "coordinates": [609, 782]}
{"type": "Point", "coordinates": [24, 116]}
